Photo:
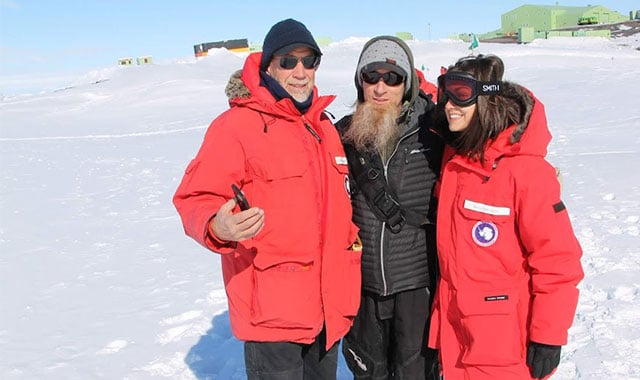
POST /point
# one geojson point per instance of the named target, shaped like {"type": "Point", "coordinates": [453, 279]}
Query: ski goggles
{"type": "Point", "coordinates": [390, 78]}
{"type": "Point", "coordinates": [289, 62]}
{"type": "Point", "coordinates": [463, 89]}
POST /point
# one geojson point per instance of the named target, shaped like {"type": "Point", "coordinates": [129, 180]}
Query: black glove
{"type": "Point", "coordinates": [542, 359]}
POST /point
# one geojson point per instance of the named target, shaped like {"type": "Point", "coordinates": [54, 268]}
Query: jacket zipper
{"type": "Point", "coordinates": [384, 224]}
{"type": "Point", "coordinates": [314, 133]}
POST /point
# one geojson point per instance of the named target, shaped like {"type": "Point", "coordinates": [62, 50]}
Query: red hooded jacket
{"type": "Point", "coordinates": [509, 259]}
{"type": "Point", "coordinates": [426, 86]}
{"type": "Point", "coordinates": [298, 273]}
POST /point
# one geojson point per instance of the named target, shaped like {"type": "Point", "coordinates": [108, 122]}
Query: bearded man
{"type": "Point", "coordinates": [394, 159]}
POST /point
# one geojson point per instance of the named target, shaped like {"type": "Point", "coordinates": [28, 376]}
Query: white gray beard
{"type": "Point", "coordinates": [374, 129]}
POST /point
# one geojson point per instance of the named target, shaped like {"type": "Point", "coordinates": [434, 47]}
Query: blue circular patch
{"type": "Point", "coordinates": [484, 233]}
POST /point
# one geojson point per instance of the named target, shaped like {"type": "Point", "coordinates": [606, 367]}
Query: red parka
{"type": "Point", "coordinates": [426, 86]}
{"type": "Point", "coordinates": [298, 273]}
{"type": "Point", "coordinates": [509, 259]}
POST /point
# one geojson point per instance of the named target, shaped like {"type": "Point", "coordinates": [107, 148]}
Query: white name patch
{"type": "Point", "coordinates": [487, 209]}
{"type": "Point", "coordinates": [341, 160]}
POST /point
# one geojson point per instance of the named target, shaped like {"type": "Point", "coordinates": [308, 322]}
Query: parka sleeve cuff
{"type": "Point", "coordinates": [215, 244]}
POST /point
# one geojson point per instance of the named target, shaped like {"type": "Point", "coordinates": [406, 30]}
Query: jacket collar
{"type": "Point", "coordinates": [244, 90]}
{"type": "Point", "coordinates": [533, 141]}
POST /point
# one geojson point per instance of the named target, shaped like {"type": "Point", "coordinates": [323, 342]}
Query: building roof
{"type": "Point", "coordinates": [557, 7]}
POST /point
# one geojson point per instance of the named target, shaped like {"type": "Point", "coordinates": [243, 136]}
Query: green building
{"type": "Point", "coordinates": [406, 36]}
{"type": "Point", "coordinates": [543, 18]}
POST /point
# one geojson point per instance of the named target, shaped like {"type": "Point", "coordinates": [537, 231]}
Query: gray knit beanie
{"type": "Point", "coordinates": [387, 52]}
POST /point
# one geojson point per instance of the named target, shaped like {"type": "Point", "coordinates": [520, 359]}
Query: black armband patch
{"type": "Point", "coordinates": [559, 207]}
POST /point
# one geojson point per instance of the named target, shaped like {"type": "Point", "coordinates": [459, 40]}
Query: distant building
{"type": "Point", "coordinates": [322, 41]}
{"type": "Point", "coordinates": [145, 60]}
{"type": "Point", "coordinates": [126, 61]}
{"type": "Point", "coordinates": [406, 36]}
{"type": "Point", "coordinates": [543, 18]}
{"type": "Point", "coordinates": [239, 45]}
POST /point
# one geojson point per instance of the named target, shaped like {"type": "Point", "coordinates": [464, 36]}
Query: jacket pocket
{"type": "Point", "coordinates": [278, 166]}
{"type": "Point", "coordinates": [339, 161]}
{"type": "Point", "coordinates": [489, 247]}
{"type": "Point", "coordinates": [349, 298]}
{"type": "Point", "coordinates": [283, 188]}
{"type": "Point", "coordinates": [490, 328]}
{"type": "Point", "coordinates": [341, 166]}
{"type": "Point", "coordinates": [490, 222]}
{"type": "Point", "coordinates": [286, 292]}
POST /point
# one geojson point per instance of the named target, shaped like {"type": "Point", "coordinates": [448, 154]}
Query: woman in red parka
{"type": "Point", "coordinates": [509, 259]}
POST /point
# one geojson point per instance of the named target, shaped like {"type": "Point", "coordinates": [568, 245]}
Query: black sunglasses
{"type": "Point", "coordinates": [390, 78]}
{"type": "Point", "coordinates": [309, 62]}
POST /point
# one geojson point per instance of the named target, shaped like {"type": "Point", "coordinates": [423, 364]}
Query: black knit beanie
{"type": "Point", "coordinates": [285, 36]}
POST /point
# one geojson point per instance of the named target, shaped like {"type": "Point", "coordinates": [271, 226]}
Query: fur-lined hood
{"type": "Point", "coordinates": [235, 87]}
{"type": "Point", "coordinates": [526, 99]}
{"type": "Point", "coordinates": [244, 90]}
{"type": "Point", "coordinates": [529, 136]}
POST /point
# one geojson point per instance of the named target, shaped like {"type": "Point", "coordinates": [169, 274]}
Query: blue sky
{"type": "Point", "coordinates": [51, 36]}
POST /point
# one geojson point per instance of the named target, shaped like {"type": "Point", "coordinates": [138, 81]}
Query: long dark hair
{"type": "Point", "coordinates": [494, 113]}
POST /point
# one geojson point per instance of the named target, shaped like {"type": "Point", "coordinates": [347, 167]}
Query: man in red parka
{"type": "Point", "coordinates": [292, 281]}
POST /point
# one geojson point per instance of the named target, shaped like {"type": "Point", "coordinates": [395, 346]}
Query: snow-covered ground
{"type": "Point", "coordinates": [98, 281]}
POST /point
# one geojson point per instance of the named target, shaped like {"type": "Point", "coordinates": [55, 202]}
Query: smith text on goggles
{"type": "Point", "coordinates": [463, 89]}
{"type": "Point", "coordinates": [390, 78]}
{"type": "Point", "coordinates": [288, 62]}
